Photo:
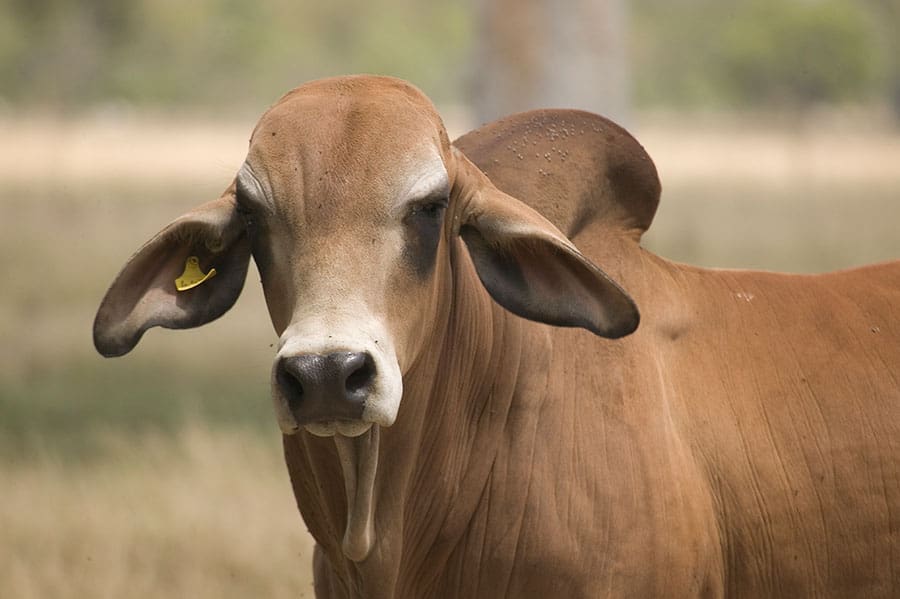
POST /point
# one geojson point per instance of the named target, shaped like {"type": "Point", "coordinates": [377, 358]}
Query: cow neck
{"type": "Point", "coordinates": [455, 407]}
{"type": "Point", "coordinates": [435, 462]}
{"type": "Point", "coordinates": [405, 499]}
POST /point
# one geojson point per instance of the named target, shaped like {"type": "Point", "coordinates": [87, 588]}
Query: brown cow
{"type": "Point", "coordinates": [744, 442]}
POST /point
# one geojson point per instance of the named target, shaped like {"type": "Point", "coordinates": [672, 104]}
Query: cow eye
{"type": "Point", "coordinates": [423, 231]}
{"type": "Point", "coordinates": [430, 209]}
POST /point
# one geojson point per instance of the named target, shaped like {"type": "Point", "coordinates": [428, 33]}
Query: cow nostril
{"type": "Point", "coordinates": [361, 378]}
{"type": "Point", "coordinates": [291, 382]}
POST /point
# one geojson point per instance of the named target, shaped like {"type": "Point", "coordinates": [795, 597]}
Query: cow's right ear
{"type": "Point", "coordinates": [144, 295]}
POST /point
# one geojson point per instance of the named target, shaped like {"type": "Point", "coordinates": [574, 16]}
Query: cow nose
{"type": "Point", "coordinates": [322, 388]}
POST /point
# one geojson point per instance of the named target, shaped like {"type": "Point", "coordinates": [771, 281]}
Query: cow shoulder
{"type": "Point", "coordinates": [574, 167]}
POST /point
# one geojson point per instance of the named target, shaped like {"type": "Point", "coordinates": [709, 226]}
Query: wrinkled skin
{"type": "Point", "coordinates": [444, 441]}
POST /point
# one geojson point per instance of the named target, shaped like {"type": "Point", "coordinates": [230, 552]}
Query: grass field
{"type": "Point", "coordinates": [159, 474]}
{"type": "Point", "coordinates": [197, 513]}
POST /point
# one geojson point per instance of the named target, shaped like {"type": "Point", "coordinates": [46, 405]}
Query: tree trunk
{"type": "Point", "coordinates": [546, 53]}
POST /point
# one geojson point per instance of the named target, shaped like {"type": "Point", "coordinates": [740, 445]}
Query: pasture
{"type": "Point", "coordinates": [160, 474]}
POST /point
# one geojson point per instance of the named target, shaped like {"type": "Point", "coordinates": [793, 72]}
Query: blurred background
{"type": "Point", "coordinates": [773, 123]}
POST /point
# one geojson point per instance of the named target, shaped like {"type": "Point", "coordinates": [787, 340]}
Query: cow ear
{"type": "Point", "coordinates": [530, 268]}
{"type": "Point", "coordinates": [144, 294]}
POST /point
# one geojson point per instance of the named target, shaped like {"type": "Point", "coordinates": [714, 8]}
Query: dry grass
{"type": "Point", "coordinates": [159, 474]}
{"type": "Point", "coordinates": [204, 514]}
{"type": "Point", "coordinates": [140, 150]}
{"type": "Point", "coordinates": [778, 155]}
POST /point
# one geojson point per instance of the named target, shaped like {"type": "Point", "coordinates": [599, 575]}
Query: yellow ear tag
{"type": "Point", "coordinates": [192, 275]}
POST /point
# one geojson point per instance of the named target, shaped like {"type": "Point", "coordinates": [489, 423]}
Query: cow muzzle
{"type": "Point", "coordinates": [327, 391]}
{"type": "Point", "coordinates": [342, 387]}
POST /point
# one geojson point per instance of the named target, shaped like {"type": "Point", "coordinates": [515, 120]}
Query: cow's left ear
{"type": "Point", "coordinates": [145, 294]}
{"type": "Point", "coordinates": [530, 268]}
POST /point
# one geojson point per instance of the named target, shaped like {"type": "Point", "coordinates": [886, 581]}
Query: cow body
{"type": "Point", "coordinates": [775, 397]}
{"type": "Point", "coordinates": [743, 442]}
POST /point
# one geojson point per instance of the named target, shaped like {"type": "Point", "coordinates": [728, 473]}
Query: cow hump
{"type": "Point", "coordinates": [574, 167]}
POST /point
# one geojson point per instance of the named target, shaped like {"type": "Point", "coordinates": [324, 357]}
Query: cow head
{"type": "Point", "coordinates": [348, 200]}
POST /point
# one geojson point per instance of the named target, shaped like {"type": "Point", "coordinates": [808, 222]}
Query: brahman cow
{"type": "Point", "coordinates": [443, 441]}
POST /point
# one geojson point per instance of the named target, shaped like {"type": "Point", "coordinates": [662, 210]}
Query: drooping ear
{"type": "Point", "coordinates": [531, 269]}
{"type": "Point", "coordinates": [144, 294]}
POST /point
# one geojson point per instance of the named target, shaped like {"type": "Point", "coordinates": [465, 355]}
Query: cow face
{"type": "Point", "coordinates": [349, 200]}
{"type": "Point", "coordinates": [345, 193]}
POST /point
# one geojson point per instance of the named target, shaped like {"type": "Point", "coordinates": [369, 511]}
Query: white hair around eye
{"type": "Point", "coordinates": [430, 179]}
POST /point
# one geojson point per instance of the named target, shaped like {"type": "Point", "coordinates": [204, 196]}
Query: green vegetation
{"type": "Point", "coordinates": [224, 55]}
{"type": "Point", "coordinates": [798, 54]}
{"type": "Point", "coordinates": [69, 409]}
{"type": "Point", "coordinates": [218, 54]}
{"type": "Point", "coordinates": [760, 53]}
